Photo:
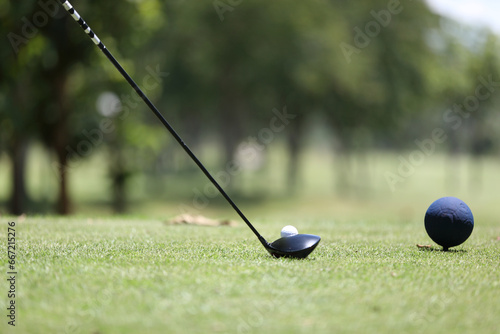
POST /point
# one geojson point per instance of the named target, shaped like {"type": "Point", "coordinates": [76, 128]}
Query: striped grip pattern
{"type": "Point", "coordinates": [74, 14]}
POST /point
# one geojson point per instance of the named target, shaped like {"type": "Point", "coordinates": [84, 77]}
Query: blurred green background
{"type": "Point", "coordinates": [314, 108]}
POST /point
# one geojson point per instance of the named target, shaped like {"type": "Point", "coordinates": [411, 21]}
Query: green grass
{"type": "Point", "coordinates": [135, 275]}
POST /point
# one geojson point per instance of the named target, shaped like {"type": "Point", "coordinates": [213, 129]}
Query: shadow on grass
{"type": "Point", "coordinates": [443, 250]}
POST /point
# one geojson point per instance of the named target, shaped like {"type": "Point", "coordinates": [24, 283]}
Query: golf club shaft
{"type": "Point", "coordinates": [69, 8]}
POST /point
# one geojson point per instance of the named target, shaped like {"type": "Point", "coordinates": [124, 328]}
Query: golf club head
{"type": "Point", "coordinates": [297, 246]}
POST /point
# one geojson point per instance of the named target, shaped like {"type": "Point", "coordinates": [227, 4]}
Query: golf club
{"type": "Point", "coordinates": [297, 246]}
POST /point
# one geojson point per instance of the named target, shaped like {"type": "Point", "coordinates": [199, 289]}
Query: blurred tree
{"type": "Point", "coordinates": [229, 73]}
{"type": "Point", "coordinates": [384, 76]}
{"type": "Point", "coordinates": [48, 47]}
{"type": "Point", "coordinates": [484, 67]}
{"type": "Point", "coordinates": [377, 72]}
{"type": "Point", "coordinates": [467, 57]}
{"type": "Point", "coordinates": [18, 95]}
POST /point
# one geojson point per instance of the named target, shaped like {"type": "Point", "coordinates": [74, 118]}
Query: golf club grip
{"type": "Point", "coordinates": [69, 8]}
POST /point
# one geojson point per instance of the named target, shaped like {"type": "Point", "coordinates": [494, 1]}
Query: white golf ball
{"type": "Point", "coordinates": [288, 231]}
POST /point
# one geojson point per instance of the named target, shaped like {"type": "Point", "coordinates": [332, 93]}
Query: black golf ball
{"type": "Point", "coordinates": [449, 222]}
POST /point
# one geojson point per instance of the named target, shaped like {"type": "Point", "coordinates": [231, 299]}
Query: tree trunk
{"type": "Point", "coordinates": [294, 144]}
{"type": "Point", "coordinates": [63, 202]}
{"type": "Point", "coordinates": [343, 164]}
{"type": "Point", "coordinates": [119, 192]}
{"type": "Point", "coordinates": [61, 141]}
{"type": "Point", "coordinates": [452, 180]}
{"type": "Point", "coordinates": [18, 195]}
{"type": "Point", "coordinates": [119, 175]}
{"type": "Point", "coordinates": [230, 121]}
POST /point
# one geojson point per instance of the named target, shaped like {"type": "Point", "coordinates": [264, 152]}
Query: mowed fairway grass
{"type": "Point", "coordinates": [134, 275]}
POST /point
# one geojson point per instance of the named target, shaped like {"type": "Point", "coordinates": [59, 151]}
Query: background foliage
{"type": "Point", "coordinates": [361, 79]}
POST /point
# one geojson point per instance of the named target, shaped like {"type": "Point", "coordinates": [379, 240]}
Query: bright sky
{"type": "Point", "coordinates": [474, 12]}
